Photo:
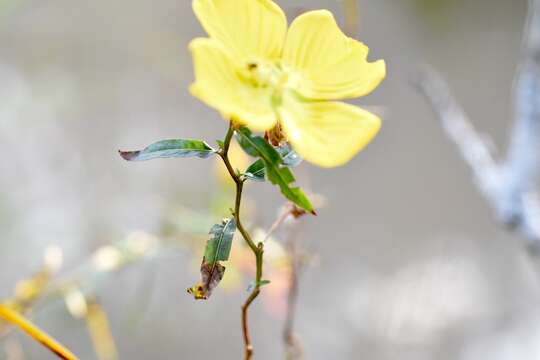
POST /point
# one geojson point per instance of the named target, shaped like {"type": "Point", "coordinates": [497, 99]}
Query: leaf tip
{"type": "Point", "coordinates": [128, 155]}
{"type": "Point", "coordinates": [197, 292]}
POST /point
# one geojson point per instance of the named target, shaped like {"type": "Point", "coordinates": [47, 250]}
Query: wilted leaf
{"type": "Point", "coordinates": [211, 275]}
{"type": "Point", "coordinates": [218, 247]}
{"type": "Point", "coordinates": [275, 171]}
{"type": "Point", "coordinates": [177, 148]}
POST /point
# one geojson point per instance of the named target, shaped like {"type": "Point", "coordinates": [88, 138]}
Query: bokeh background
{"type": "Point", "coordinates": [411, 261]}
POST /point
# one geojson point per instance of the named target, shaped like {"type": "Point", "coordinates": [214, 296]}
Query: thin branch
{"type": "Point", "coordinates": [294, 348]}
{"type": "Point", "coordinates": [351, 14]}
{"type": "Point", "coordinates": [286, 212]}
{"type": "Point", "coordinates": [509, 185]}
{"type": "Point", "coordinates": [258, 250]}
{"type": "Point", "coordinates": [43, 289]}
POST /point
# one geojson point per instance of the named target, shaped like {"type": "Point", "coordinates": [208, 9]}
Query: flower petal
{"type": "Point", "coordinates": [248, 28]}
{"type": "Point", "coordinates": [327, 133]}
{"type": "Point", "coordinates": [217, 83]}
{"type": "Point", "coordinates": [334, 65]}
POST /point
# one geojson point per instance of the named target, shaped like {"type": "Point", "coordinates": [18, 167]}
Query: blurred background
{"type": "Point", "coordinates": [410, 261]}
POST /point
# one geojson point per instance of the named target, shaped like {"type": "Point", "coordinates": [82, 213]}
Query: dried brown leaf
{"type": "Point", "coordinates": [211, 275]}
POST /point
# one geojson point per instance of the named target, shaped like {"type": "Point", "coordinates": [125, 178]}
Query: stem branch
{"type": "Point", "coordinates": [258, 249]}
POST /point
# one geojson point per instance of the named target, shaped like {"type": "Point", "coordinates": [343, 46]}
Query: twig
{"type": "Point", "coordinates": [43, 289]}
{"type": "Point", "coordinates": [351, 14]}
{"type": "Point", "coordinates": [258, 250]}
{"type": "Point", "coordinates": [294, 349]}
{"type": "Point", "coordinates": [284, 215]}
{"type": "Point", "coordinates": [509, 185]}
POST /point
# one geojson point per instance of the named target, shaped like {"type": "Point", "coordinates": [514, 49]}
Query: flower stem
{"type": "Point", "coordinates": [258, 249]}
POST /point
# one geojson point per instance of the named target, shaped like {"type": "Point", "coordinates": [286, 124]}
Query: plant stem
{"type": "Point", "coordinates": [258, 249]}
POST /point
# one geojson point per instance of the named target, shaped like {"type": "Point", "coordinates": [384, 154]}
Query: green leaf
{"type": "Point", "coordinates": [262, 283]}
{"type": "Point", "coordinates": [275, 171]}
{"type": "Point", "coordinates": [177, 148]}
{"type": "Point", "coordinates": [256, 171]}
{"type": "Point", "coordinates": [218, 248]}
{"type": "Point", "coordinates": [290, 157]}
{"type": "Point", "coordinates": [245, 144]}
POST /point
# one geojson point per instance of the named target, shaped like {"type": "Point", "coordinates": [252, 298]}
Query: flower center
{"type": "Point", "coordinates": [274, 77]}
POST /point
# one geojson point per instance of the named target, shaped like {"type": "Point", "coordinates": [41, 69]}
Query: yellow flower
{"type": "Point", "coordinates": [256, 72]}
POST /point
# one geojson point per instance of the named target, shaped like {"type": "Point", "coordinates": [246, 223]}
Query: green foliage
{"type": "Point", "coordinates": [275, 169]}
{"type": "Point", "coordinates": [262, 283]}
{"type": "Point", "coordinates": [218, 248]}
{"type": "Point", "coordinates": [245, 143]}
{"type": "Point", "coordinates": [289, 156]}
{"type": "Point", "coordinates": [177, 148]}
{"type": "Point", "coordinates": [255, 171]}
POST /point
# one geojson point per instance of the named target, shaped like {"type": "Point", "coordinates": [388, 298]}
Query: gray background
{"type": "Point", "coordinates": [412, 264]}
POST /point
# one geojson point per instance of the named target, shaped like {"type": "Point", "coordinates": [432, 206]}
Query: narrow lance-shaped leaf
{"type": "Point", "coordinates": [245, 144]}
{"type": "Point", "coordinates": [218, 248]}
{"type": "Point", "coordinates": [176, 148]}
{"type": "Point", "coordinates": [275, 171]}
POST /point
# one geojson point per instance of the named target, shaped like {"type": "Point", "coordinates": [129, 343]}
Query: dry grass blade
{"type": "Point", "coordinates": [36, 333]}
